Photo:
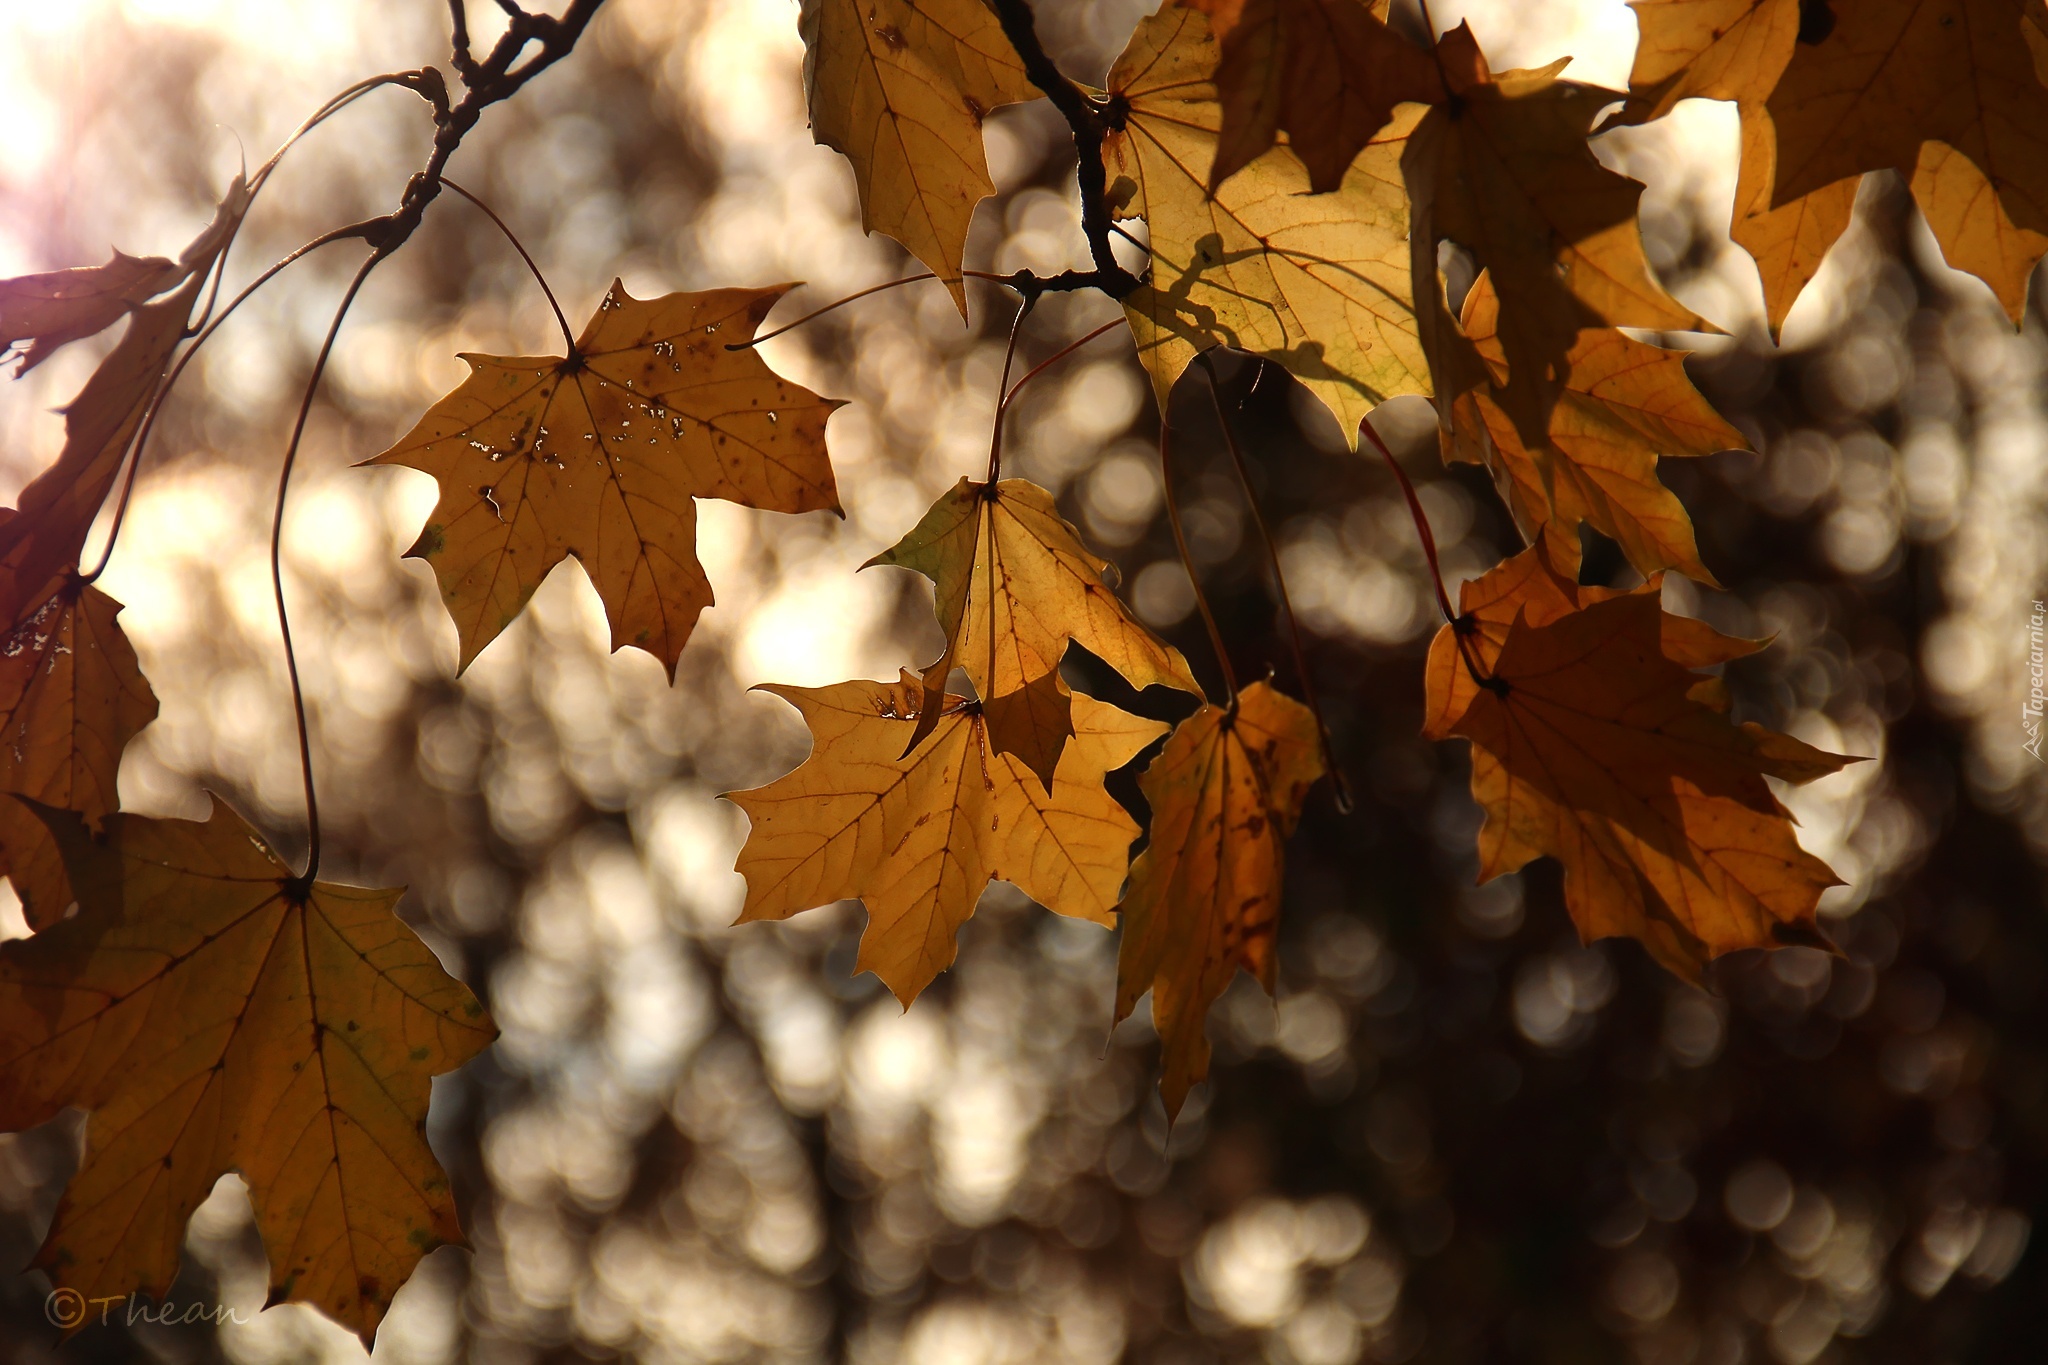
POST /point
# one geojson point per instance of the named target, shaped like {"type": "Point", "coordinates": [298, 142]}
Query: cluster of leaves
{"type": "Point", "coordinates": [1295, 167]}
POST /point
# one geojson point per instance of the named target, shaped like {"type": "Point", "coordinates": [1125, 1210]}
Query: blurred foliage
{"type": "Point", "coordinates": [1460, 1137]}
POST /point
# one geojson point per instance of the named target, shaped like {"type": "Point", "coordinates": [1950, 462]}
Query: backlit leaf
{"type": "Point", "coordinates": [598, 457]}
{"type": "Point", "coordinates": [1890, 80]}
{"type": "Point", "coordinates": [900, 87]}
{"type": "Point", "coordinates": [1012, 584]}
{"type": "Point", "coordinates": [1204, 898]}
{"type": "Point", "coordinates": [1328, 73]}
{"type": "Point", "coordinates": [1317, 283]}
{"type": "Point", "coordinates": [1506, 172]}
{"type": "Point", "coordinates": [1708, 49]}
{"type": "Point", "coordinates": [1624, 404]}
{"type": "Point", "coordinates": [212, 1014]}
{"type": "Point", "coordinates": [1592, 745]}
{"type": "Point", "coordinates": [917, 836]}
{"type": "Point", "coordinates": [71, 697]}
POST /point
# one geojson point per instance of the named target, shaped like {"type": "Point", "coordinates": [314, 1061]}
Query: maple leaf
{"type": "Point", "coordinates": [1204, 899]}
{"type": "Point", "coordinates": [1318, 284]}
{"type": "Point", "coordinates": [1012, 584]}
{"type": "Point", "coordinates": [900, 88]}
{"type": "Point", "coordinates": [213, 1013]}
{"type": "Point", "coordinates": [1593, 744]}
{"type": "Point", "coordinates": [1536, 588]}
{"type": "Point", "coordinates": [1708, 49]}
{"type": "Point", "coordinates": [1623, 404]}
{"type": "Point", "coordinates": [1505, 171]}
{"type": "Point", "coordinates": [1328, 73]}
{"type": "Point", "coordinates": [71, 697]}
{"type": "Point", "coordinates": [598, 457]}
{"type": "Point", "coordinates": [917, 836]}
{"type": "Point", "coordinates": [1950, 95]}
{"type": "Point", "coordinates": [40, 541]}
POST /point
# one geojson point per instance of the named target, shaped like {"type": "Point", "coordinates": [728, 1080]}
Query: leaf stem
{"type": "Point", "coordinates": [568, 337]}
{"type": "Point", "coordinates": [995, 436]}
{"type": "Point", "coordinates": [1436, 574]}
{"type": "Point", "coordinates": [1187, 560]}
{"type": "Point", "coordinates": [1061, 354]}
{"type": "Point", "coordinates": [1339, 783]}
{"type": "Point", "coordinates": [284, 624]}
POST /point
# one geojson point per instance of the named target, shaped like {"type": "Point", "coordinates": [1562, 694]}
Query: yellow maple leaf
{"type": "Point", "coordinates": [1317, 283]}
{"type": "Point", "coordinates": [598, 456]}
{"type": "Point", "coordinates": [917, 836]}
{"type": "Point", "coordinates": [1012, 585]}
{"type": "Point", "coordinates": [900, 87]}
{"type": "Point", "coordinates": [1623, 404]}
{"type": "Point", "coordinates": [213, 1013]}
{"type": "Point", "coordinates": [1204, 900]}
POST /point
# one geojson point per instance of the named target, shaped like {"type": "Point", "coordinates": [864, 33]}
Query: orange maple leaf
{"type": "Point", "coordinates": [1505, 171]}
{"type": "Point", "coordinates": [1204, 897]}
{"type": "Point", "coordinates": [597, 457]}
{"type": "Point", "coordinates": [1623, 404]}
{"type": "Point", "coordinates": [918, 835]}
{"type": "Point", "coordinates": [214, 1013]}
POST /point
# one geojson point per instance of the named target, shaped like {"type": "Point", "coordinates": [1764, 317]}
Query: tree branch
{"type": "Point", "coordinates": [1091, 120]}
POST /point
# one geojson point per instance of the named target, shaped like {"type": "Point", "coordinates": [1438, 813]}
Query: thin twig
{"type": "Point", "coordinates": [1340, 785]}
{"type": "Point", "coordinates": [1457, 623]}
{"type": "Point", "coordinates": [1180, 542]}
{"type": "Point", "coordinates": [836, 303]}
{"type": "Point", "coordinates": [995, 436]}
{"type": "Point", "coordinates": [284, 624]}
{"type": "Point", "coordinates": [1061, 354]}
{"type": "Point", "coordinates": [568, 337]}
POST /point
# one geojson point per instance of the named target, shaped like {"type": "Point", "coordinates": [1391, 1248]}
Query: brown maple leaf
{"type": "Point", "coordinates": [1593, 743]}
{"type": "Point", "coordinates": [1204, 899]}
{"type": "Point", "coordinates": [597, 457]}
{"type": "Point", "coordinates": [41, 539]}
{"type": "Point", "coordinates": [1012, 585]}
{"type": "Point", "coordinates": [1327, 73]}
{"type": "Point", "coordinates": [1624, 404]}
{"type": "Point", "coordinates": [71, 697]}
{"type": "Point", "coordinates": [55, 307]}
{"type": "Point", "coordinates": [917, 836]}
{"type": "Point", "coordinates": [59, 306]}
{"type": "Point", "coordinates": [1505, 171]}
{"type": "Point", "coordinates": [213, 1013]}
{"type": "Point", "coordinates": [900, 87]}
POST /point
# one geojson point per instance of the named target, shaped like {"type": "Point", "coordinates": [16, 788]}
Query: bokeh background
{"type": "Point", "coordinates": [1460, 1136]}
